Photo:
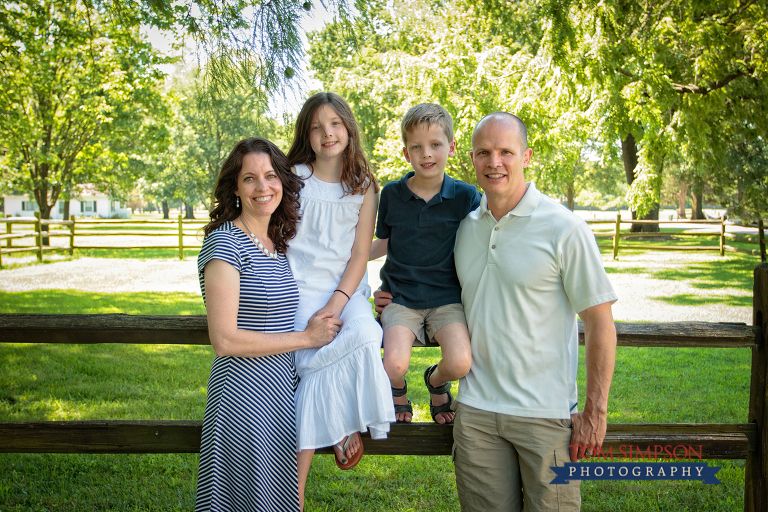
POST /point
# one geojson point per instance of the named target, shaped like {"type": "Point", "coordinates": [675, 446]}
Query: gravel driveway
{"type": "Point", "coordinates": [639, 293]}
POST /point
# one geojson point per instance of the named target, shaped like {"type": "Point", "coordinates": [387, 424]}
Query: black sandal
{"type": "Point", "coordinates": [434, 410]}
{"type": "Point", "coordinates": [396, 392]}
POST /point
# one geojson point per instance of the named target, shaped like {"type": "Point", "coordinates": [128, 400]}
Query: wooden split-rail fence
{"type": "Point", "coordinates": [747, 440]}
{"type": "Point", "coordinates": [722, 235]}
{"type": "Point", "coordinates": [42, 231]}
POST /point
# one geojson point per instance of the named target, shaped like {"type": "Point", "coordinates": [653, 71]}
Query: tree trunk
{"type": "Point", "coordinates": [189, 211]}
{"type": "Point", "coordinates": [45, 214]}
{"type": "Point", "coordinates": [697, 208]}
{"type": "Point", "coordinates": [166, 210]}
{"type": "Point", "coordinates": [571, 192]}
{"type": "Point", "coordinates": [682, 196]}
{"type": "Point", "coordinates": [629, 157]}
{"type": "Point", "coordinates": [65, 215]}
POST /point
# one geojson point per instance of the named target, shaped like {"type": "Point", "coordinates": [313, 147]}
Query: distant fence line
{"type": "Point", "coordinates": [617, 235]}
{"type": "Point", "coordinates": [176, 228]}
{"type": "Point", "coordinates": [42, 231]}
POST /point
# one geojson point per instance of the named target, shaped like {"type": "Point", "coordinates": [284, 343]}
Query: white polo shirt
{"type": "Point", "coordinates": [523, 280]}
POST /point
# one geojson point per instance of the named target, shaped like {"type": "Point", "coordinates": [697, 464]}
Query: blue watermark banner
{"type": "Point", "coordinates": [636, 471]}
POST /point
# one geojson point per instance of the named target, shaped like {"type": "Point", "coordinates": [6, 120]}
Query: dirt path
{"type": "Point", "coordinates": [642, 298]}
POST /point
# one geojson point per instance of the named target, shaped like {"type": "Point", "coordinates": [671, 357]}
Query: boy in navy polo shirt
{"type": "Point", "coordinates": [417, 223]}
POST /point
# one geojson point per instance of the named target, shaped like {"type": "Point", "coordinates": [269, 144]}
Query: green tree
{"type": "Point", "coordinates": [673, 81]}
{"type": "Point", "coordinates": [207, 124]}
{"type": "Point", "coordinates": [383, 63]}
{"type": "Point", "coordinates": [79, 98]}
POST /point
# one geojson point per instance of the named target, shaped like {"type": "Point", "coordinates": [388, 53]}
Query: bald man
{"type": "Point", "coordinates": [527, 266]}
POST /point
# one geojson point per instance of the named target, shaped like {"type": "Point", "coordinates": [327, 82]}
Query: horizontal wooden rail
{"type": "Point", "coordinates": [170, 222]}
{"type": "Point", "coordinates": [56, 222]}
{"type": "Point", "coordinates": [742, 238]}
{"type": "Point", "coordinates": [713, 441]}
{"type": "Point", "coordinates": [639, 221]}
{"type": "Point", "coordinates": [193, 330]}
{"type": "Point", "coordinates": [753, 252]}
{"type": "Point", "coordinates": [14, 236]}
{"type": "Point", "coordinates": [667, 233]}
{"type": "Point", "coordinates": [118, 248]}
{"type": "Point", "coordinates": [643, 221]}
{"type": "Point", "coordinates": [18, 220]}
{"type": "Point", "coordinates": [84, 233]}
{"type": "Point", "coordinates": [644, 247]}
{"type": "Point", "coordinates": [24, 248]}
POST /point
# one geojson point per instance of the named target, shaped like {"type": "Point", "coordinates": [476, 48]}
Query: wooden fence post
{"type": "Point", "coordinates": [72, 236]}
{"type": "Point", "coordinates": [616, 236]}
{"type": "Point", "coordinates": [8, 230]}
{"type": "Point", "coordinates": [756, 477]}
{"type": "Point", "coordinates": [761, 238]}
{"type": "Point", "coordinates": [181, 238]}
{"type": "Point", "coordinates": [39, 229]}
{"type": "Point", "coordinates": [722, 235]}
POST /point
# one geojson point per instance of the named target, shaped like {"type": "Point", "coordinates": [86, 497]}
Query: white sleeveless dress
{"type": "Point", "coordinates": [343, 387]}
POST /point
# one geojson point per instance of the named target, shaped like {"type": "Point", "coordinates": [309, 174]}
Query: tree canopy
{"type": "Point", "coordinates": [677, 85]}
{"type": "Point", "coordinates": [670, 89]}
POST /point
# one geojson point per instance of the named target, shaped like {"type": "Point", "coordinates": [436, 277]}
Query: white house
{"type": "Point", "coordinates": [88, 202]}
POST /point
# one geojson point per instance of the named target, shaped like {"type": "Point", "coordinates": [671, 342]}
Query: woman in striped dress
{"type": "Point", "coordinates": [247, 452]}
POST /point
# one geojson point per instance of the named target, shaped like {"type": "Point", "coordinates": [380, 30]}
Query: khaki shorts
{"type": "Point", "coordinates": [503, 462]}
{"type": "Point", "coordinates": [423, 323]}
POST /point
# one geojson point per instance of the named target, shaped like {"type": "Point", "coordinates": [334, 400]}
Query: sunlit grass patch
{"type": "Point", "coordinates": [64, 382]}
{"type": "Point", "coordinates": [80, 302]}
{"type": "Point", "coordinates": [688, 299]}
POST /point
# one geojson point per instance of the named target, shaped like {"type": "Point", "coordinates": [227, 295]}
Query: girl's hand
{"type": "Point", "coordinates": [335, 305]}
{"type": "Point", "coordinates": [322, 329]}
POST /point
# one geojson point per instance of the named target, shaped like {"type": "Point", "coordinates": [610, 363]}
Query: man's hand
{"type": "Point", "coordinates": [380, 300]}
{"type": "Point", "coordinates": [588, 434]}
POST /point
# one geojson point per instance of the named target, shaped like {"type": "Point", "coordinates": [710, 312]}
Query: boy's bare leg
{"type": "Point", "coordinates": [398, 341]}
{"type": "Point", "coordinates": [457, 359]}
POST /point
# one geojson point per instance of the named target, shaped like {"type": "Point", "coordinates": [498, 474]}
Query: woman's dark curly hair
{"type": "Point", "coordinates": [282, 225]}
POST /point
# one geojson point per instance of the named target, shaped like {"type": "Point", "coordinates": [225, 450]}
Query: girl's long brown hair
{"type": "Point", "coordinates": [356, 174]}
{"type": "Point", "coordinates": [282, 224]}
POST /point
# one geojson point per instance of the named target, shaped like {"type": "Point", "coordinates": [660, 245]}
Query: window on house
{"type": "Point", "coordinates": [115, 205]}
{"type": "Point", "coordinates": [87, 206]}
{"type": "Point", "coordinates": [29, 206]}
{"type": "Point", "coordinates": [61, 207]}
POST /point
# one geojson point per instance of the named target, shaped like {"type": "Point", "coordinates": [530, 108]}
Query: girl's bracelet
{"type": "Point", "coordinates": [337, 290]}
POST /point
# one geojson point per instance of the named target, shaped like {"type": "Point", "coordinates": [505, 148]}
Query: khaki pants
{"type": "Point", "coordinates": [503, 462]}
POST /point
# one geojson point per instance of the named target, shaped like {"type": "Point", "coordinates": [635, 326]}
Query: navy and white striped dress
{"type": "Point", "coordinates": [247, 452]}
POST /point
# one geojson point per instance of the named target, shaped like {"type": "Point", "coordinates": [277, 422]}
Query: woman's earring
{"type": "Point", "coordinates": [237, 202]}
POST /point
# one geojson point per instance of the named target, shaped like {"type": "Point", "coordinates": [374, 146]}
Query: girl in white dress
{"type": "Point", "coordinates": [344, 389]}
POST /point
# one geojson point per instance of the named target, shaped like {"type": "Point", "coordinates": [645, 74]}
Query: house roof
{"type": "Point", "coordinates": [81, 190]}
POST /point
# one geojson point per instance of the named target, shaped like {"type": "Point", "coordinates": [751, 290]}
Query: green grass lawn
{"type": "Point", "coordinates": [72, 382]}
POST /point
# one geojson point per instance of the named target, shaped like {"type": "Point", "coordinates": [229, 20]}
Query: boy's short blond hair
{"type": "Point", "coordinates": [427, 113]}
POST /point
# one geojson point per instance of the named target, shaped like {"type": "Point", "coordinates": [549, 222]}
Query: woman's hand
{"type": "Point", "coordinates": [322, 329]}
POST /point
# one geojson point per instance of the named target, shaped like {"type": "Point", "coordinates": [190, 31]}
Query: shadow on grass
{"type": "Point", "coordinates": [688, 299]}
{"type": "Point", "coordinates": [708, 275]}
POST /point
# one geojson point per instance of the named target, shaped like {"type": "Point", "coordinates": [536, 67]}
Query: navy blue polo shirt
{"type": "Point", "coordinates": [420, 272]}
